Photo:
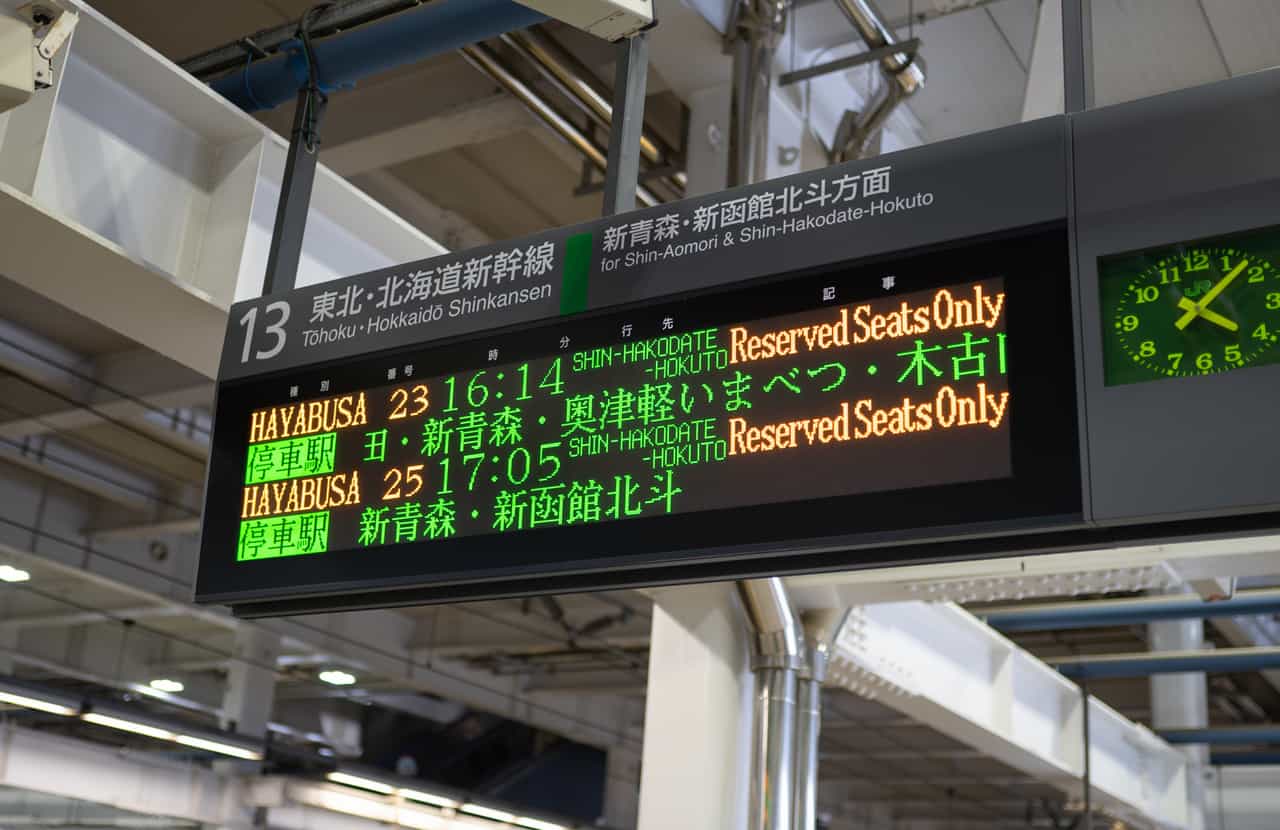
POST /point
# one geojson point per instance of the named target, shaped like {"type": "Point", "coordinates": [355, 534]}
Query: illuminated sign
{"type": "Point", "coordinates": [919, 394]}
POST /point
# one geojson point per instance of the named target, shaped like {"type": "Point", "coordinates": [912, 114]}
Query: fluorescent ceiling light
{"type": "Point", "coordinates": [337, 677]}
{"type": "Point", "coordinates": [362, 783]}
{"type": "Point", "coordinates": [488, 812]}
{"type": "Point", "coordinates": [219, 747]}
{"type": "Point", "coordinates": [164, 684]}
{"type": "Point", "coordinates": [538, 824]}
{"type": "Point", "coordinates": [8, 573]}
{"type": "Point", "coordinates": [34, 703]}
{"type": "Point", "coordinates": [129, 726]}
{"type": "Point", "coordinates": [428, 798]}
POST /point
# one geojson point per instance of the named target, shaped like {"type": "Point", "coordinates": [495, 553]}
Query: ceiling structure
{"type": "Point", "coordinates": [103, 442]}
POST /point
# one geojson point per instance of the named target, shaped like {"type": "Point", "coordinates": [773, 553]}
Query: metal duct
{"type": "Point", "coordinates": [903, 77]}
{"type": "Point", "coordinates": [398, 40]}
{"type": "Point", "coordinates": [820, 630]}
{"type": "Point", "coordinates": [757, 27]}
{"type": "Point", "coordinates": [487, 61]}
{"type": "Point", "coordinates": [777, 657]}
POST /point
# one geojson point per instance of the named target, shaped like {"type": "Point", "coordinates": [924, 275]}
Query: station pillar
{"type": "Point", "coordinates": [251, 682]}
{"type": "Point", "coordinates": [1181, 701]}
{"type": "Point", "coordinates": [697, 735]}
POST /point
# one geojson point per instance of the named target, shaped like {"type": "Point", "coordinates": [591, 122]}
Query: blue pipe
{"type": "Point", "coordinates": [1244, 759]}
{"type": "Point", "coordinates": [404, 38]}
{"type": "Point", "coordinates": [1123, 612]}
{"type": "Point", "coordinates": [1263, 733]}
{"type": "Point", "coordinates": [1141, 665]}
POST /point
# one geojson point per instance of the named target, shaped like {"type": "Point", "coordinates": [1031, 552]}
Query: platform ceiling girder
{"type": "Point", "coordinates": [80, 167]}
{"type": "Point", "coordinates": [376, 645]}
{"type": "Point", "coordinates": [1069, 573]}
{"type": "Point", "coordinates": [46, 763]}
{"type": "Point", "coordinates": [944, 668]}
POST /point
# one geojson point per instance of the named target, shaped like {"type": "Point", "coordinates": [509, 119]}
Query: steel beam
{"type": "Point", "coordinates": [944, 668]}
{"type": "Point", "coordinates": [129, 780]}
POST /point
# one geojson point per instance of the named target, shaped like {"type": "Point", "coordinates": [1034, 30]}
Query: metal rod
{"type": "Point", "coordinates": [1244, 759]}
{"type": "Point", "coordinates": [1142, 663]}
{"type": "Point", "coordinates": [295, 200]}
{"type": "Point", "coordinates": [903, 77]}
{"type": "Point", "coordinates": [622, 174]}
{"type": "Point", "coordinates": [757, 28]}
{"type": "Point", "coordinates": [911, 47]}
{"type": "Point", "coordinates": [1102, 613]}
{"type": "Point", "coordinates": [870, 23]}
{"type": "Point", "coordinates": [1077, 54]}
{"type": "Point", "coordinates": [1088, 761]}
{"type": "Point", "coordinates": [1261, 733]}
{"type": "Point", "coordinates": [483, 58]}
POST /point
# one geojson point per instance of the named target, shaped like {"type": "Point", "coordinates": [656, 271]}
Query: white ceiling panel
{"type": "Point", "coordinates": [1017, 19]}
{"type": "Point", "coordinates": [975, 61]}
{"type": "Point", "coordinates": [1146, 47]}
{"type": "Point", "coordinates": [975, 79]}
{"type": "Point", "coordinates": [1248, 31]}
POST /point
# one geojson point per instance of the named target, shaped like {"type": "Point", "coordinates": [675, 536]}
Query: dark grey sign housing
{"type": "Point", "coordinates": [1035, 205]}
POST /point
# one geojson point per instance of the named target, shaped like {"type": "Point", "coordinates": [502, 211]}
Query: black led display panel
{"type": "Point", "coordinates": [899, 398]}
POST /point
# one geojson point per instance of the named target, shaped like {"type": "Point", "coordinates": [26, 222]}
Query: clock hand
{"type": "Point", "coordinates": [1211, 295]}
{"type": "Point", "coordinates": [1208, 314]}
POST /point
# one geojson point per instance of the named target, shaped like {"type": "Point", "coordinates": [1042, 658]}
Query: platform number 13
{"type": "Point", "coordinates": [273, 329]}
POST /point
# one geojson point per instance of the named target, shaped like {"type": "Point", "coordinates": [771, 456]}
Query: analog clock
{"type": "Point", "coordinates": [1192, 309]}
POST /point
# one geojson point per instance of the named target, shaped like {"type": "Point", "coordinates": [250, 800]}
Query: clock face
{"type": "Point", "coordinates": [1194, 309]}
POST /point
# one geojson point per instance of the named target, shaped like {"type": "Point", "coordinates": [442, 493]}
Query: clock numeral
{"type": "Point", "coordinates": [1198, 261]}
{"type": "Point", "coordinates": [1261, 332]}
{"type": "Point", "coordinates": [1130, 322]}
{"type": "Point", "coordinates": [1175, 359]}
{"type": "Point", "coordinates": [1273, 301]}
{"type": "Point", "coordinates": [1256, 275]}
{"type": "Point", "coordinates": [1232, 354]}
{"type": "Point", "coordinates": [1167, 275]}
{"type": "Point", "coordinates": [1147, 348]}
{"type": "Point", "coordinates": [1204, 361]}
{"type": "Point", "coordinates": [1147, 293]}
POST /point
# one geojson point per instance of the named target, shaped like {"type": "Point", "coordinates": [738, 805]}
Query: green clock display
{"type": "Point", "coordinates": [1192, 309]}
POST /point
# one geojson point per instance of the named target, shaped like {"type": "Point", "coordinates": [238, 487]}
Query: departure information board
{"type": "Point", "coordinates": [867, 393]}
{"type": "Point", "coordinates": [912, 393]}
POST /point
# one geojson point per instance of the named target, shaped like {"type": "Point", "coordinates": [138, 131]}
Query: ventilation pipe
{"type": "Point", "coordinates": [485, 59]}
{"type": "Point", "coordinates": [397, 40]}
{"type": "Point", "coordinates": [757, 27]}
{"type": "Point", "coordinates": [903, 77]}
{"type": "Point", "coordinates": [777, 657]}
{"type": "Point", "coordinates": [820, 630]}
{"type": "Point", "coordinates": [574, 81]}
